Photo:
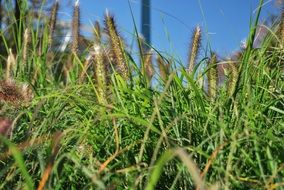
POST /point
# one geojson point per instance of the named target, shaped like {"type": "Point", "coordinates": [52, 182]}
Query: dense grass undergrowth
{"type": "Point", "coordinates": [96, 119]}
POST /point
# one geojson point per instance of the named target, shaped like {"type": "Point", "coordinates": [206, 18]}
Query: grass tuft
{"type": "Point", "coordinates": [103, 121]}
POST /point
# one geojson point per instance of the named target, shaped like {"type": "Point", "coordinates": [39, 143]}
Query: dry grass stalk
{"type": "Point", "coordinates": [117, 46]}
{"type": "Point", "coordinates": [212, 75]}
{"type": "Point", "coordinates": [75, 28]}
{"type": "Point", "coordinates": [86, 65]}
{"type": "Point", "coordinates": [55, 149]}
{"type": "Point", "coordinates": [52, 22]}
{"type": "Point", "coordinates": [194, 50]}
{"type": "Point", "coordinates": [164, 68]}
{"type": "Point", "coordinates": [211, 159]}
{"type": "Point", "coordinates": [27, 145]}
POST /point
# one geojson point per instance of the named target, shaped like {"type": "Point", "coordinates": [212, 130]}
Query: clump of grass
{"type": "Point", "coordinates": [127, 136]}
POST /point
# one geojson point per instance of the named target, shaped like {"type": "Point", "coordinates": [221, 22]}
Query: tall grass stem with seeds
{"type": "Point", "coordinates": [52, 22]}
{"type": "Point", "coordinates": [194, 50]}
{"type": "Point", "coordinates": [212, 75]}
{"type": "Point", "coordinates": [75, 28]}
{"type": "Point", "coordinates": [117, 45]}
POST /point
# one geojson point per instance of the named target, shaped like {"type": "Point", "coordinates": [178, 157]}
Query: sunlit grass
{"type": "Point", "coordinates": [95, 120]}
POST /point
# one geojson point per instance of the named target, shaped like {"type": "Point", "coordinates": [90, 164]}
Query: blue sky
{"type": "Point", "coordinates": [225, 23]}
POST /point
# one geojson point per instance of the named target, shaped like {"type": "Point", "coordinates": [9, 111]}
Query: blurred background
{"type": "Point", "coordinates": [168, 25]}
{"type": "Point", "coordinates": [225, 24]}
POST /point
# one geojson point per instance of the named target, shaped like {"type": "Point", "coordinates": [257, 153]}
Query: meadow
{"type": "Point", "coordinates": [93, 116]}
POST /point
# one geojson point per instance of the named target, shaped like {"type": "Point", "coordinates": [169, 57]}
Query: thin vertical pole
{"type": "Point", "coordinates": [146, 22]}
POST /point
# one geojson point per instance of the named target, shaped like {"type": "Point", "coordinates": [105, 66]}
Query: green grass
{"type": "Point", "coordinates": [168, 135]}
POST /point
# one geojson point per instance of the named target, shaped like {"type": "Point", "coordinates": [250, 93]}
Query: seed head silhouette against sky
{"type": "Point", "coordinates": [225, 23]}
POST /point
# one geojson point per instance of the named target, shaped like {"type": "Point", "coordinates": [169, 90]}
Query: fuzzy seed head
{"type": "Point", "coordinates": [76, 27]}
{"type": "Point", "coordinates": [233, 77]}
{"type": "Point", "coordinates": [5, 126]}
{"type": "Point", "coordinates": [148, 69]}
{"type": "Point", "coordinates": [14, 93]}
{"type": "Point", "coordinates": [25, 45]}
{"type": "Point", "coordinates": [164, 68]}
{"type": "Point", "coordinates": [11, 62]}
{"type": "Point", "coordinates": [117, 46]}
{"type": "Point", "coordinates": [194, 50]}
{"type": "Point", "coordinates": [97, 32]}
{"type": "Point", "coordinates": [52, 21]}
{"type": "Point", "coordinates": [281, 29]}
{"type": "Point", "coordinates": [100, 74]}
{"type": "Point", "coordinates": [212, 75]}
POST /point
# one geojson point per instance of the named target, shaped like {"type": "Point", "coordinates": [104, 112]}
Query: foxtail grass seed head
{"type": "Point", "coordinates": [100, 73]}
{"type": "Point", "coordinates": [140, 41]}
{"type": "Point", "coordinates": [233, 77]}
{"type": "Point", "coordinates": [27, 39]}
{"type": "Point", "coordinates": [14, 93]}
{"type": "Point", "coordinates": [212, 75]}
{"type": "Point", "coordinates": [35, 76]}
{"type": "Point", "coordinates": [200, 80]}
{"type": "Point", "coordinates": [75, 28]}
{"type": "Point", "coordinates": [281, 29]}
{"type": "Point", "coordinates": [148, 69]}
{"type": "Point", "coordinates": [194, 50]}
{"type": "Point", "coordinates": [11, 62]}
{"type": "Point", "coordinates": [117, 45]}
{"type": "Point", "coordinates": [5, 126]}
{"type": "Point", "coordinates": [97, 32]}
{"type": "Point", "coordinates": [164, 68]}
{"type": "Point", "coordinates": [52, 21]}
